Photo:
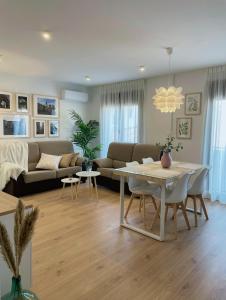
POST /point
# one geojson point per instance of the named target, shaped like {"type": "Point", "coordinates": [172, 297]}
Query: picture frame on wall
{"type": "Point", "coordinates": [39, 128]}
{"type": "Point", "coordinates": [45, 106]}
{"type": "Point", "coordinates": [14, 126]}
{"type": "Point", "coordinates": [193, 104]}
{"type": "Point", "coordinates": [22, 103]}
{"type": "Point", "coordinates": [6, 101]}
{"type": "Point", "coordinates": [184, 128]}
{"type": "Point", "coordinates": [53, 128]}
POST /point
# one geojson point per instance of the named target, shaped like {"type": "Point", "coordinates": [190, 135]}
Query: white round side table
{"type": "Point", "coordinates": [72, 181]}
{"type": "Point", "coordinates": [89, 175]}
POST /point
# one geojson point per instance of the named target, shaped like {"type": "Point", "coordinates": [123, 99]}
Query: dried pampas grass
{"type": "Point", "coordinates": [23, 231]}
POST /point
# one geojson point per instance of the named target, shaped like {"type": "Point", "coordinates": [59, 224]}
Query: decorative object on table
{"type": "Point", "coordinates": [45, 106]}
{"type": "Point", "coordinates": [54, 128]}
{"type": "Point", "coordinates": [39, 128]}
{"type": "Point", "coordinates": [193, 103]}
{"type": "Point", "coordinates": [166, 149]}
{"type": "Point", "coordinates": [22, 103]}
{"type": "Point", "coordinates": [23, 231]}
{"type": "Point", "coordinates": [168, 99]}
{"type": "Point", "coordinates": [5, 101]}
{"type": "Point", "coordinates": [184, 128]}
{"type": "Point", "coordinates": [12, 126]}
{"type": "Point", "coordinates": [84, 136]}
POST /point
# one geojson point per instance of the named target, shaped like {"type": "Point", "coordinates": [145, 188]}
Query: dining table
{"type": "Point", "coordinates": [162, 177]}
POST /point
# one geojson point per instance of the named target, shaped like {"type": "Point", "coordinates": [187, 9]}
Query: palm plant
{"type": "Point", "coordinates": [84, 135]}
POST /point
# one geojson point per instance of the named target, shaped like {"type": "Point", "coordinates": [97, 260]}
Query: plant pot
{"type": "Point", "coordinates": [166, 160]}
{"type": "Point", "coordinates": [17, 293]}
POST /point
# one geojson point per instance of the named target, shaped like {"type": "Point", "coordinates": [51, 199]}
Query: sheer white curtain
{"type": "Point", "coordinates": [215, 134]}
{"type": "Point", "coordinates": [121, 113]}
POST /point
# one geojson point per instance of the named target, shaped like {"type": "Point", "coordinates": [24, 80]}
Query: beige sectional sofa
{"type": "Point", "coordinates": [36, 180]}
{"type": "Point", "coordinates": [118, 155]}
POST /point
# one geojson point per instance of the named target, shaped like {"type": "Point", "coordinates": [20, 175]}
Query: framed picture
{"type": "Point", "coordinates": [54, 128]}
{"type": "Point", "coordinates": [184, 128]}
{"type": "Point", "coordinates": [5, 101]}
{"type": "Point", "coordinates": [22, 103]}
{"type": "Point", "coordinates": [13, 126]}
{"type": "Point", "coordinates": [193, 104]}
{"type": "Point", "coordinates": [39, 128]}
{"type": "Point", "coordinates": [45, 106]}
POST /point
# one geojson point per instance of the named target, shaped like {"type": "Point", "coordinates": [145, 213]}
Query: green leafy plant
{"type": "Point", "coordinates": [170, 145]}
{"type": "Point", "coordinates": [85, 135]}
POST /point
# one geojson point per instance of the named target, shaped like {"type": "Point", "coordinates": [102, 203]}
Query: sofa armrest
{"type": "Point", "coordinates": [79, 161]}
{"type": "Point", "coordinates": [103, 163]}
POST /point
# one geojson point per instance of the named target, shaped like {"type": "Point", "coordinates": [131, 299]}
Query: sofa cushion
{"type": "Point", "coordinates": [106, 172]}
{"type": "Point", "coordinates": [120, 151]}
{"type": "Point", "coordinates": [145, 150]}
{"type": "Point", "coordinates": [34, 176]}
{"type": "Point", "coordinates": [55, 147]}
{"type": "Point", "coordinates": [33, 155]}
{"type": "Point", "coordinates": [64, 172]}
{"type": "Point", "coordinates": [66, 160]}
{"type": "Point", "coordinates": [118, 164]}
{"type": "Point", "coordinates": [74, 159]}
{"type": "Point", "coordinates": [103, 162]}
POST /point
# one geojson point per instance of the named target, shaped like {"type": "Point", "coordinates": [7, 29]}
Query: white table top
{"type": "Point", "coordinates": [88, 174]}
{"type": "Point", "coordinates": [70, 180]}
{"type": "Point", "coordinates": [155, 172]}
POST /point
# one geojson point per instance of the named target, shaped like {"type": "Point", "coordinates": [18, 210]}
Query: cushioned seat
{"type": "Point", "coordinates": [64, 172]}
{"type": "Point", "coordinates": [34, 176]}
{"type": "Point", "coordinates": [106, 172]}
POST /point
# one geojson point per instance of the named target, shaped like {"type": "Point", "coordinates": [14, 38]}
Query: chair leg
{"type": "Point", "coordinates": [130, 203]}
{"type": "Point", "coordinates": [154, 203]}
{"type": "Point", "coordinates": [156, 216]}
{"type": "Point", "coordinates": [186, 202]}
{"type": "Point", "coordinates": [185, 215]}
{"type": "Point", "coordinates": [195, 210]}
{"type": "Point", "coordinates": [143, 205]}
{"type": "Point", "coordinates": [166, 212]}
{"type": "Point", "coordinates": [204, 207]}
{"type": "Point", "coordinates": [175, 219]}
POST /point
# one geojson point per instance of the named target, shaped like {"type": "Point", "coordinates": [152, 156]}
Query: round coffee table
{"type": "Point", "coordinates": [72, 181]}
{"type": "Point", "coordinates": [89, 175]}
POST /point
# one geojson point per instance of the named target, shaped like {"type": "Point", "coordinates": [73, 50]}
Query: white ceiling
{"type": "Point", "coordinates": [109, 39]}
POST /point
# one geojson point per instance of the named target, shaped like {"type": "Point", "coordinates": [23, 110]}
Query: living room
{"type": "Point", "coordinates": [112, 149]}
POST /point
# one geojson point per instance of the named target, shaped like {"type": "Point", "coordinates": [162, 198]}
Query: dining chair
{"type": "Point", "coordinates": [175, 198]}
{"type": "Point", "coordinates": [140, 189]}
{"type": "Point", "coordinates": [196, 191]}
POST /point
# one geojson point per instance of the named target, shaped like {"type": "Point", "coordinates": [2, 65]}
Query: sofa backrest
{"type": "Point", "coordinates": [49, 147]}
{"type": "Point", "coordinates": [120, 151]}
{"type": "Point", "coordinates": [145, 150]}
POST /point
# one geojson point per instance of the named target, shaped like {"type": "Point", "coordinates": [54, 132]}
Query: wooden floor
{"type": "Point", "coordinates": [80, 252]}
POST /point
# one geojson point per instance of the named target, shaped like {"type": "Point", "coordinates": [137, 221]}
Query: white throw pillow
{"type": "Point", "coordinates": [147, 160]}
{"type": "Point", "coordinates": [48, 162]}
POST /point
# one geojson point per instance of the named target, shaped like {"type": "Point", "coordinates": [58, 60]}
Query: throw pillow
{"type": "Point", "coordinates": [74, 159]}
{"type": "Point", "coordinates": [48, 162]}
{"type": "Point", "coordinates": [66, 160]}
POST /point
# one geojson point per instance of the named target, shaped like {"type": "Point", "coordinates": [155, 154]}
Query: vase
{"type": "Point", "coordinates": [17, 293]}
{"type": "Point", "coordinates": [166, 160]}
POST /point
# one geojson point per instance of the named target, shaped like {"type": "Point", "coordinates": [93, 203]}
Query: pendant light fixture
{"type": "Point", "coordinates": [168, 99]}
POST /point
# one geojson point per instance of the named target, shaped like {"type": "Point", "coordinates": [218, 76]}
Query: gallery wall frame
{"type": "Point", "coordinates": [6, 102]}
{"type": "Point", "coordinates": [14, 126]}
{"type": "Point", "coordinates": [45, 106]}
{"type": "Point", "coordinates": [193, 104]}
{"type": "Point", "coordinates": [184, 128]}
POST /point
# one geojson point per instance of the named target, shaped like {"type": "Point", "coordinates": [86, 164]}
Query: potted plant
{"type": "Point", "coordinates": [84, 136]}
{"type": "Point", "coordinates": [166, 149]}
{"type": "Point", "coordinates": [23, 231]}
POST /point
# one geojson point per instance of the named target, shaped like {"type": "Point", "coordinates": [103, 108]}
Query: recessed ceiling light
{"type": "Point", "coordinates": [46, 35]}
{"type": "Point", "coordinates": [87, 78]}
{"type": "Point", "coordinates": [141, 68]}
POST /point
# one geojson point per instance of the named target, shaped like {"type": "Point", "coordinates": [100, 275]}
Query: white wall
{"type": "Point", "coordinates": [157, 124]}
{"type": "Point", "coordinates": [34, 85]}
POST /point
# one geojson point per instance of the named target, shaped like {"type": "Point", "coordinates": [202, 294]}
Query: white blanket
{"type": "Point", "coordinates": [13, 160]}
{"type": "Point", "coordinates": [9, 170]}
{"type": "Point", "coordinates": [15, 152]}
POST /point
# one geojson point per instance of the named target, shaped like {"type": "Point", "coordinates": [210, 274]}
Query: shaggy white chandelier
{"type": "Point", "coordinates": [168, 99]}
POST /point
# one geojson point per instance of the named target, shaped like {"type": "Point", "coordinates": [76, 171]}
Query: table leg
{"type": "Point", "coordinates": [162, 213]}
{"type": "Point", "coordinates": [122, 196]}
{"type": "Point", "coordinates": [95, 184]}
{"type": "Point", "coordinates": [72, 194]}
{"type": "Point", "coordinates": [75, 189]}
{"type": "Point", "coordinates": [62, 192]}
